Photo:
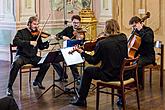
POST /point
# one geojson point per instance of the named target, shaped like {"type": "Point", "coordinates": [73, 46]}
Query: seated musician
{"type": "Point", "coordinates": [68, 34]}
{"type": "Point", "coordinates": [110, 51]}
{"type": "Point", "coordinates": [27, 47]}
{"type": "Point", "coordinates": [146, 49]}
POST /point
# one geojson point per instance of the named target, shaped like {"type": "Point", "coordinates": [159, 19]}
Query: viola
{"type": "Point", "coordinates": [90, 45]}
{"type": "Point", "coordinates": [134, 41]}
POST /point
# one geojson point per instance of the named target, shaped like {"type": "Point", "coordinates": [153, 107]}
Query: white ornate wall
{"type": "Point", "coordinates": [7, 21]}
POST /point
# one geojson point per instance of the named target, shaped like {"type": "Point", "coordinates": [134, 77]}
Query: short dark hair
{"type": "Point", "coordinates": [31, 19]}
{"type": "Point", "coordinates": [76, 17]}
{"type": "Point", "coordinates": [134, 19]}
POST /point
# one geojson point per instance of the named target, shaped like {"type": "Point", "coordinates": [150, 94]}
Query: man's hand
{"type": "Point", "coordinates": [65, 38]}
{"type": "Point", "coordinates": [33, 43]}
{"type": "Point", "coordinates": [76, 48]}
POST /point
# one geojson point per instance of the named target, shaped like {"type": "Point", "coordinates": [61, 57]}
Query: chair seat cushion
{"type": "Point", "coordinates": [27, 66]}
{"type": "Point", "coordinates": [117, 83]}
{"type": "Point", "coordinates": [153, 66]}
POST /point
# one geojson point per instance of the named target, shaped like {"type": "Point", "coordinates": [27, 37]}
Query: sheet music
{"type": "Point", "coordinates": [65, 44]}
{"type": "Point", "coordinates": [73, 58]}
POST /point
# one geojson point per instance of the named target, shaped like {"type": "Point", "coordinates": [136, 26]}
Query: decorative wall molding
{"type": "Point", "coordinates": [27, 8]}
{"type": "Point", "coordinates": [105, 10]}
{"type": "Point", "coordinates": [139, 8]}
{"type": "Point", "coordinates": [7, 10]}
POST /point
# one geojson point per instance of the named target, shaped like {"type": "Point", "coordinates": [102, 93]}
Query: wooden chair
{"type": "Point", "coordinates": [125, 86]}
{"type": "Point", "coordinates": [25, 68]}
{"type": "Point", "coordinates": [158, 65]}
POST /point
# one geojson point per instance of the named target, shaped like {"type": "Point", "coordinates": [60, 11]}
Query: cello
{"type": "Point", "coordinates": [134, 41]}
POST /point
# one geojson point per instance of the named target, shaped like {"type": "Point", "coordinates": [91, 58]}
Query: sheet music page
{"type": "Point", "coordinates": [73, 58]}
{"type": "Point", "coordinates": [43, 58]}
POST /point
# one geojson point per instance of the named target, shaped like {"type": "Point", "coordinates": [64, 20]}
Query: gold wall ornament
{"type": "Point", "coordinates": [89, 23]}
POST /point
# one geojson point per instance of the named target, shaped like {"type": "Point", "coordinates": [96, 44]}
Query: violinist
{"type": "Point", "coordinates": [69, 33]}
{"type": "Point", "coordinates": [27, 47]}
{"type": "Point", "coordinates": [146, 49]}
{"type": "Point", "coordinates": [110, 52]}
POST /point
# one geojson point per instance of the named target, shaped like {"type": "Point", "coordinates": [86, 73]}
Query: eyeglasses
{"type": "Point", "coordinates": [76, 22]}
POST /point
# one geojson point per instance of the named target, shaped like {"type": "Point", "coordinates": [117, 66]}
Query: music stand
{"type": "Point", "coordinates": [52, 57]}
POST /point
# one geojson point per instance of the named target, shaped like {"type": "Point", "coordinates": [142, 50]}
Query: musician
{"type": "Point", "coordinates": [110, 51]}
{"type": "Point", "coordinates": [27, 48]}
{"type": "Point", "coordinates": [67, 34]}
{"type": "Point", "coordinates": [146, 49]}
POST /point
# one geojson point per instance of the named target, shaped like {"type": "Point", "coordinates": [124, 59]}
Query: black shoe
{"type": "Point", "coordinates": [119, 101]}
{"type": "Point", "coordinates": [67, 89]}
{"type": "Point", "coordinates": [38, 84]}
{"type": "Point", "coordinates": [9, 92]}
{"type": "Point", "coordinates": [78, 82]}
{"type": "Point", "coordinates": [64, 80]}
{"type": "Point", "coordinates": [78, 102]}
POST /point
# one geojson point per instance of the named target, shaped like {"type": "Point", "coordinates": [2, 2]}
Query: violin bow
{"type": "Point", "coordinates": [43, 27]}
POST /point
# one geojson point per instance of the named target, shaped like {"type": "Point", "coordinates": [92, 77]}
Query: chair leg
{"type": "Point", "coordinates": [143, 78]}
{"type": "Point", "coordinates": [97, 97]}
{"type": "Point", "coordinates": [30, 72]}
{"type": "Point", "coordinates": [137, 96]}
{"type": "Point", "coordinates": [150, 76]}
{"type": "Point", "coordinates": [123, 100]}
{"type": "Point", "coordinates": [112, 98]}
{"type": "Point", "coordinates": [20, 80]}
{"type": "Point", "coordinates": [161, 77]}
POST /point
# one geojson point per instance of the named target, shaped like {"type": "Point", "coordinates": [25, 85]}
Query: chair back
{"type": "Point", "coordinates": [159, 53]}
{"type": "Point", "coordinates": [129, 67]}
{"type": "Point", "coordinates": [13, 50]}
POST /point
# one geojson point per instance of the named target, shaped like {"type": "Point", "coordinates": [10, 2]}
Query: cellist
{"type": "Point", "coordinates": [146, 49]}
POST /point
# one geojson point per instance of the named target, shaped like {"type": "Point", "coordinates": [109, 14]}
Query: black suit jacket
{"type": "Point", "coordinates": [110, 52]}
{"type": "Point", "coordinates": [22, 41]}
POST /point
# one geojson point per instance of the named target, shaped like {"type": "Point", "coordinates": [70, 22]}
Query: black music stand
{"type": "Point", "coordinates": [52, 57]}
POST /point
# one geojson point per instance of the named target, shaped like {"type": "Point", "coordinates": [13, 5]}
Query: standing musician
{"type": "Point", "coordinates": [110, 51]}
{"type": "Point", "coordinates": [67, 34]}
{"type": "Point", "coordinates": [146, 49]}
{"type": "Point", "coordinates": [27, 48]}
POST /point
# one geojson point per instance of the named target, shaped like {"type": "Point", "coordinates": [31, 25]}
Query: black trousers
{"type": "Point", "coordinates": [74, 71]}
{"type": "Point", "coordinates": [20, 61]}
{"type": "Point", "coordinates": [62, 74]}
{"type": "Point", "coordinates": [60, 71]}
{"type": "Point", "coordinates": [8, 103]}
{"type": "Point", "coordinates": [89, 74]}
{"type": "Point", "coordinates": [143, 61]}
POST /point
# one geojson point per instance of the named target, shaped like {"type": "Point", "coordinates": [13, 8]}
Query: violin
{"type": "Point", "coordinates": [43, 34]}
{"type": "Point", "coordinates": [90, 45]}
{"type": "Point", "coordinates": [134, 41]}
{"type": "Point", "coordinates": [79, 34]}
